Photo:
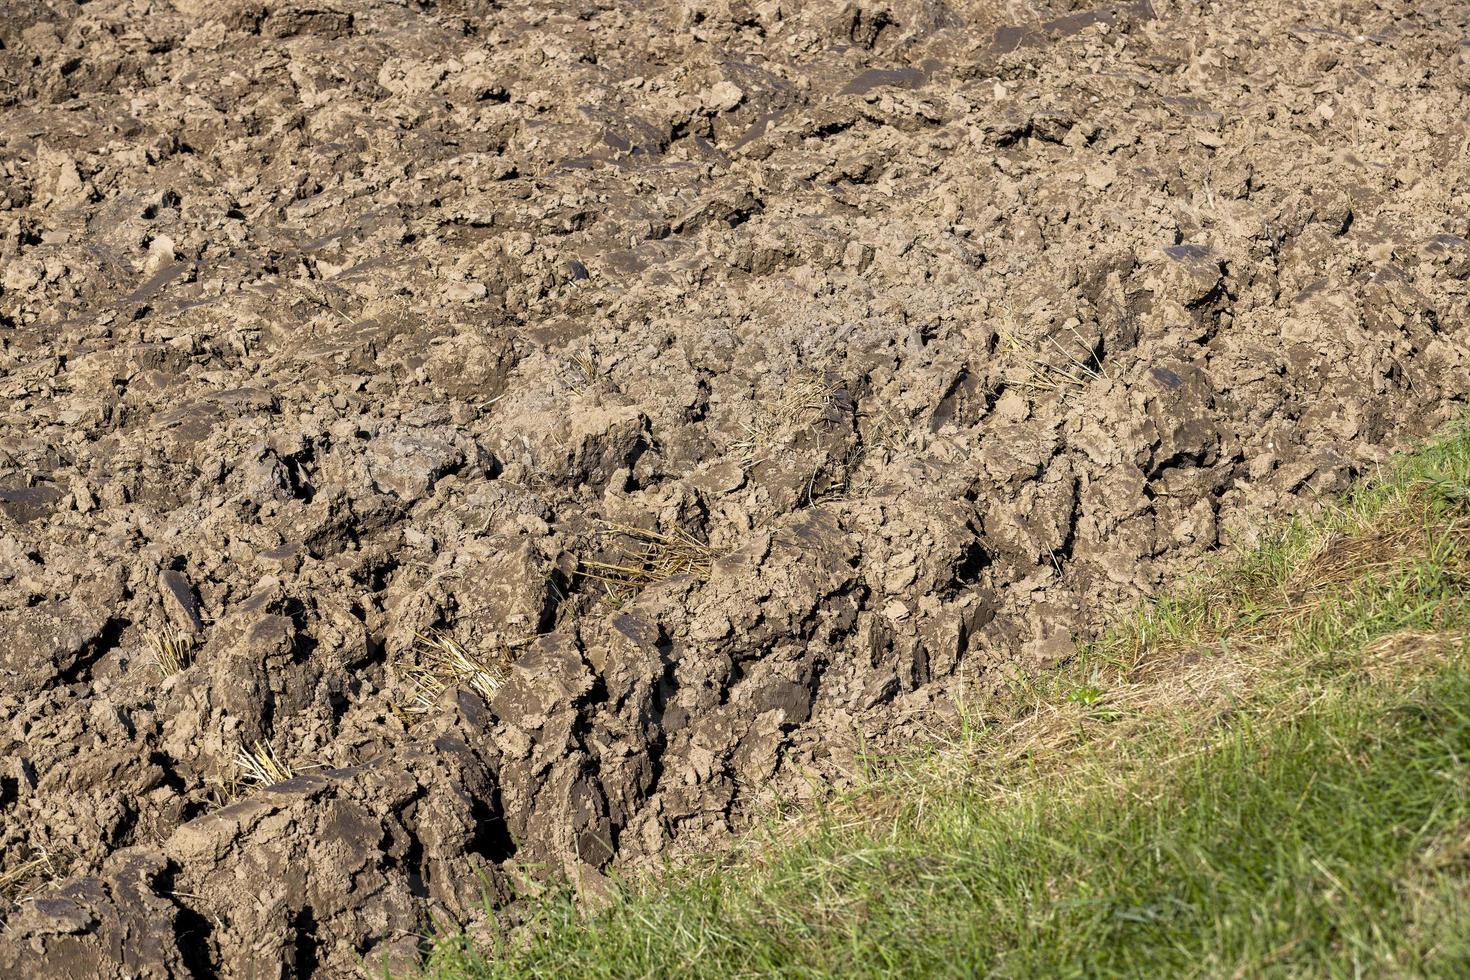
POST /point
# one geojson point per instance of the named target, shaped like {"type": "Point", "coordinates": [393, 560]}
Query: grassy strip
{"type": "Point", "coordinates": [1262, 773]}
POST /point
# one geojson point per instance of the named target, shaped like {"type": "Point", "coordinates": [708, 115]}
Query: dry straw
{"type": "Point", "coordinates": [28, 876]}
{"type": "Point", "coordinates": [261, 766]}
{"type": "Point", "coordinates": [646, 557]}
{"type": "Point", "coordinates": [444, 662]}
{"type": "Point", "coordinates": [171, 652]}
{"type": "Point", "coordinates": [803, 403]}
{"type": "Point", "coordinates": [1040, 374]}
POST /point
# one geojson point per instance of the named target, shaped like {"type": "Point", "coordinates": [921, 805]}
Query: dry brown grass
{"type": "Point", "coordinates": [1344, 556]}
{"type": "Point", "coordinates": [882, 430]}
{"type": "Point", "coordinates": [1400, 537]}
{"type": "Point", "coordinates": [1248, 606]}
{"type": "Point", "coordinates": [1408, 652]}
{"type": "Point", "coordinates": [880, 433]}
{"type": "Point", "coordinates": [643, 557]}
{"type": "Point", "coordinates": [1443, 865]}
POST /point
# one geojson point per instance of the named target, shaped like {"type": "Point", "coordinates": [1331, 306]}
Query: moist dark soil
{"type": "Point", "coordinates": [731, 387]}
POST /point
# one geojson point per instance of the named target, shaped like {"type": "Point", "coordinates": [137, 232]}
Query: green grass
{"type": "Point", "coordinates": [1266, 772]}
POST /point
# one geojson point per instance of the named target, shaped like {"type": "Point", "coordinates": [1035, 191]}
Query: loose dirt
{"type": "Point", "coordinates": [724, 388]}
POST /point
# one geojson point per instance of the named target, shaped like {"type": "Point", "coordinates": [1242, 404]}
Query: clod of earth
{"type": "Point", "coordinates": [862, 356]}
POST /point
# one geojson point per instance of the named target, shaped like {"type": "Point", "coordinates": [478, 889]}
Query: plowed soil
{"type": "Point", "coordinates": [738, 385]}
